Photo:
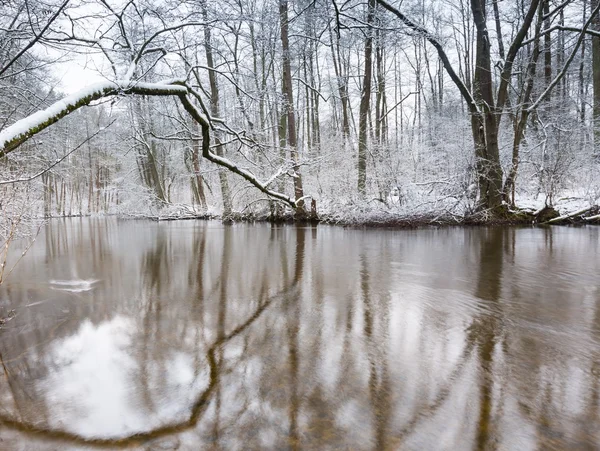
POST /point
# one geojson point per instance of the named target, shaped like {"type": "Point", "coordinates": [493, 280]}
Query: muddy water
{"type": "Point", "coordinates": [195, 335]}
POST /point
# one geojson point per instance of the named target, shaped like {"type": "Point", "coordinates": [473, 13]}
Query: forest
{"type": "Point", "coordinates": [346, 111]}
{"type": "Point", "coordinates": [125, 327]}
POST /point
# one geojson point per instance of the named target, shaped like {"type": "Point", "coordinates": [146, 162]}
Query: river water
{"type": "Point", "coordinates": [197, 335]}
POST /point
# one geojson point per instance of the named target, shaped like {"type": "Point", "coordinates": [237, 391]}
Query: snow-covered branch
{"type": "Point", "coordinates": [465, 92]}
{"type": "Point", "coordinates": [18, 133]}
{"type": "Point", "coordinates": [567, 63]}
{"type": "Point", "coordinates": [24, 129]}
{"type": "Point", "coordinates": [222, 161]}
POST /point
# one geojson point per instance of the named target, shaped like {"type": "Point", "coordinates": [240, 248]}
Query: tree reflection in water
{"type": "Point", "coordinates": [270, 337]}
{"type": "Point", "coordinates": [486, 330]}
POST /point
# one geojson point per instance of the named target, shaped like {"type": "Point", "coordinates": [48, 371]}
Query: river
{"type": "Point", "coordinates": [197, 335]}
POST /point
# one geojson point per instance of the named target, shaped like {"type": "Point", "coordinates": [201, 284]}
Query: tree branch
{"type": "Point", "coordinates": [36, 38]}
{"type": "Point", "coordinates": [60, 160]}
{"type": "Point", "coordinates": [473, 108]}
{"type": "Point", "coordinates": [222, 161]}
{"type": "Point", "coordinates": [24, 129]}
{"type": "Point", "coordinates": [562, 73]}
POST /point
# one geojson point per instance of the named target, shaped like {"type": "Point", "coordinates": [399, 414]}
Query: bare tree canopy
{"type": "Point", "coordinates": [369, 105]}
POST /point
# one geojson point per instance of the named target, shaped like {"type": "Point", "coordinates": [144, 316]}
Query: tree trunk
{"type": "Point", "coordinates": [381, 101]}
{"type": "Point", "coordinates": [365, 102]}
{"type": "Point", "coordinates": [547, 44]}
{"type": "Point", "coordinates": [214, 111]}
{"type": "Point", "coordinates": [520, 123]}
{"type": "Point", "coordinates": [341, 74]}
{"type": "Point", "coordinates": [289, 100]}
{"type": "Point", "coordinates": [498, 30]}
{"type": "Point", "coordinates": [147, 149]}
{"type": "Point", "coordinates": [197, 180]}
{"type": "Point", "coordinates": [484, 125]}
{"type": "Point", "coordinates": [596, 80]}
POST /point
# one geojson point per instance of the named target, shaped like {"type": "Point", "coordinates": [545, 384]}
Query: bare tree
{"type": "Point", "coordinates": [288, 95]}
{"type": "Point", "coordinates": [596, 74]}
{"type": "Point", "coordinates": [365, 101]}
{"type": "Point", "coordinates": [484, 109]}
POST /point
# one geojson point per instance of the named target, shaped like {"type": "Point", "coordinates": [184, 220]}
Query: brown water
{"type": "Point", "coordinates": [194, 335]}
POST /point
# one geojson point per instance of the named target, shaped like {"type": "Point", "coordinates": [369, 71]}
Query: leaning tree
{"type": "Point", "coordinates": [134, 40]}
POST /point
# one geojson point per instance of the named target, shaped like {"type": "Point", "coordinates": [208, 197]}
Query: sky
{"type": "Point", "coordinates": [77, 74]}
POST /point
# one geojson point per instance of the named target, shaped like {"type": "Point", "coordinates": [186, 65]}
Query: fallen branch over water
{"type": "Point", "coordinates": [577, 216]}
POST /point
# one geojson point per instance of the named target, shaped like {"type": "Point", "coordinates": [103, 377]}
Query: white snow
{"type": "Point", "coordinates": [28, 123]}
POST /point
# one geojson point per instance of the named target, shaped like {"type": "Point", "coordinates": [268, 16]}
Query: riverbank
{"type": "Point", "coordinates": [569, 213]}
{"type": "Point", "coordinates": [382, 219]}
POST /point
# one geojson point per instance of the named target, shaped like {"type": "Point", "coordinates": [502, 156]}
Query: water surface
{"type": "Point", "coordinates": [195, 335]}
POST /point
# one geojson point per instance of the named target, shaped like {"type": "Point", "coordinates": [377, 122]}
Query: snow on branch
{"type": "Point", "coordinates": [58, 161]}
{"type": "Point", "coordinates": [222, 161]}
{"type": "Point", "coordinates": [440, 50]}
{"type": "Point", "coordinates": [18, 133]}
{"type": "Point", "coordinates": [567, 63]}
{"type": "Point", "coordinates": [24, 129]}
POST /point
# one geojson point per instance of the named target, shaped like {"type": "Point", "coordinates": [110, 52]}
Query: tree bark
{"type": "Point", "coordinates": [365, 102]}
{"type": "Point", "coordinates": [341, 74]}
{"type": "Point", "coordinates": [596, 79]}
{"type": "Point", "coordinates": [214, 111]}
{"type": "Point", "coordinates": [520, 122]}
{"type": "Point", "coordinates": [484, 125]}
{"type": "Point", "coordinates": [288, 95]}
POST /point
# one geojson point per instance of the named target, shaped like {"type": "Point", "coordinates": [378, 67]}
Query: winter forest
{"type": "Point", "coordinates": [349, 120]}
{"type": "Point", "coordinates": [342, 109]}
